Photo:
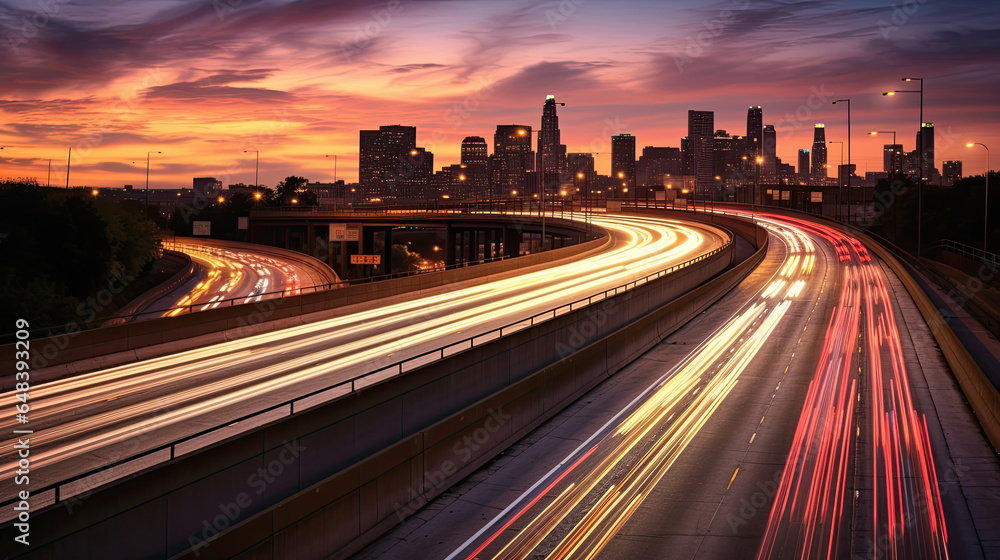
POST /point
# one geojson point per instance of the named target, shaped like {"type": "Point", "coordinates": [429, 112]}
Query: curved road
{"type": "Point", "coordinates": [229, 273]}
{"type": "Point", "coordinates": [87, 421]}
{"type": "Point", "coordinates": [791, 430]}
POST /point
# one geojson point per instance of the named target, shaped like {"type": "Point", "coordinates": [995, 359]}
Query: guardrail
{"type": "Point", "coordinates": [63, 490]}
{"type": "Point", "coordinates": [961, 249]}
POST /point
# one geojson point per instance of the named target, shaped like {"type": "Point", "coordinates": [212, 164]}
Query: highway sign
{"type": "Point", "coordinates": [366, 259]}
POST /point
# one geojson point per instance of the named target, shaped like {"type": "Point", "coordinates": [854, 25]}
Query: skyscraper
{"type": "Point", "coordinates": [701, 135]}
{"type": "Point", "coordinates": [380, 153]}
{"type": "Point", "coordinates": [803, 170]}
{"type": "Point", "coordinates": [623, 161]}
{"type": "Point", "coordinates": [926, 132]}
{"type": "Point", "coordinates": [474, 158]}
{"type": "Point", "coordinates": [416, 167]}
{"type": "Point", "coordinates": [511, 159]}
{"type": "Point", "coordinates": [818, 170]}
{"type": "Point", "coordinates": [892, 159]}
{"type": "Point", "coordinates": [951, 171]}
{"type": "Point", "coordinates": [755, 132]}
{"type": "Point", "coordinates": [551, 154]}
{"type": "Point", "coordinates": [769, 151]}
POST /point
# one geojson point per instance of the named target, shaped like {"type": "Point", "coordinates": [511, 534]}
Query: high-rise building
{"type": "Point", "coordinates": [926, 133]}
{"type": "Point", "coordinates": [551, 153]}
{"type": "Point", "coordinates": [892, 159]}
{"type": "Point", "coordinates": [623, 161]}
{"type": "Point", "coordinates": [511, 160]}
{"type": "Point", "coordinates": [951, 171]}
{"type": "Point", "coordinates": [657, 166]}
{"type": "Point", "coordinates": [380, 153]}
{"type": "Point", "coordinates": [416, 167]}
{"type": "Point", "coordinates": [701, 136]}
{"type": "Point", "coordinates": [803, 170]}
{"type": "Point", "coordinates": [474, 158]}
{"type": "Point", "coordinates": [818, 168]}
{"type": "Point", "coordinates": [581, 166]}
{"type": "Point", "coordinates": [755, 132]}
{"type": "Point", "coordinates": [769, 151]}
{"type": "Point", "coordinates": [728, 152]}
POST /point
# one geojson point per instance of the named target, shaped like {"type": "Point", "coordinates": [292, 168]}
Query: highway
{"type": "Point", "coordinates": [86, 421]}
{"type": "Point", "coordinates": [790, 430]}
{"type": "Point", "coordinates": [231, 273]}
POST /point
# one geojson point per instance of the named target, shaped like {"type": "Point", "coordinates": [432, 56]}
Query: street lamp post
{"type": "Point", "coordinates": [840, 180]}
{"type": "Point", "coordinates": [986, 210]}
{"type": "Point", "coordinates": [756, 181]}
{"type": "Point", "coordinates": [256, 170]}
{"type": "Point", "coordinates": [920, 155]}
{"type": "Point", "coordinates": [848, 101]}
{"type": "Point", "coordinates": [147, 175]}
{"type": "Point", "coordinates": [893, 132]}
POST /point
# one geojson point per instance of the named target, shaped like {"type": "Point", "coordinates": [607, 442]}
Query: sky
{"type": "Point", "coordinates": [202, 84]}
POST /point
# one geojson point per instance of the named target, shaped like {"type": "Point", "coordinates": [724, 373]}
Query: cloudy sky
{"type": "Point", "coordinates": [202, 81]}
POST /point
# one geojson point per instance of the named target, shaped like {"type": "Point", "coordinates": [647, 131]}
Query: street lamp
{"type": "Point", "coordinates": [848, 101]}
{"type": "Point", "coordinates": [986, 211]}
{"type": "Point", "coordinates": [840, 180]}
{"type": "Point", "coordinates": [756, 180]}
{"type": "Point", "coordinates": [920, 155]}
{"type": "Point", "coordinates": [147, 175]}
{"type": "Point", "coordinates": [895, 163]}
{"type": "Point", "coordinates": [256, 171]}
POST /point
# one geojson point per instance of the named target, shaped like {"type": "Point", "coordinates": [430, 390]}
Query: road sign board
{"type": "Point", "coordinates": [366, 259]}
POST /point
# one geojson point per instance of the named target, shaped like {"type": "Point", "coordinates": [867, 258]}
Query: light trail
{"type": "Point", "coordinates": [860, 392]}
{"type": "Point", "coordinates": [597, 496]}
{"type": "Point", "coordinates": [230, 274]}
{"type": "Point", "coordinates": [159, 400]}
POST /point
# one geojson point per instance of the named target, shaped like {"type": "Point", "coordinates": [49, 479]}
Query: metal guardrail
{"type": "Point", "coordinates": [76, 485]}
{"type": "Point", "coordinates": [969, 252]}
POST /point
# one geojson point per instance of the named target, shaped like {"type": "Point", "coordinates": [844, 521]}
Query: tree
{"type": "Point", "coordinates": [291, 187]}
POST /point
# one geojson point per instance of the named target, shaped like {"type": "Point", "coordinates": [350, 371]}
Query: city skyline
{"type": "Point", "coordinates": [296, 81]}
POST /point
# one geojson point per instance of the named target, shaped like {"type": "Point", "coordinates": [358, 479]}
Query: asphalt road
{"type": "Point", "coordinates": [794, 433]}
{"type": "Point", "coordinates": [87, 421]}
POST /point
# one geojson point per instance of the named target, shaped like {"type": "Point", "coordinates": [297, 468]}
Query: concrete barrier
{"type": "Point", "coordinates": [272, 490]}
{"type": "Point", "coordinates": [982, 395]}
{"type": "Point", "coordinates": [67, 354]}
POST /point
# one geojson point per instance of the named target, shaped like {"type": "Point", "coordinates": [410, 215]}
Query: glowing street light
{"type": "Point", "coordinates": [920, 155]}
{"type": "Point", "coordinates": [987, 201]}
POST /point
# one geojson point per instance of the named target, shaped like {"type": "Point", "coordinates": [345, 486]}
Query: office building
{"type": "Point", "coordinates": [551, 155]}
{"type": "Point", "coordinates": [381, 154]}
{"type": "Point", "coordinates": [511, 160]}
{"type": "Point", "coordinates": [755, 132]}
{"type": "Point", "coordinates": [818, 167]}
{"type": "Point", "coordinates": [701, 136]}
{"type": "Point", "coordinates": [475, 160]}
{"type": "Point", "coordinates": [623, 161]}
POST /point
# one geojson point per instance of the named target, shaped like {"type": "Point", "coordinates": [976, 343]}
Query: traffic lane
{"type": "Point", "coordinates": [189, 411]}
{"type": "Point", "coordinates": [445, 524]}
{"type": "Point", "coordinates": [704, 507]}
{"type": "Point", "coordinates": [464, 314]}
{"type": "Point", "coordinates": [968, 468]}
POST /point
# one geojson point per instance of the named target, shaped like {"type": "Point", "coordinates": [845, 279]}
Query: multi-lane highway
{"type": "Point", "coordinates": [791, 430]}
{"type": "Point", "coordinates": [233, 274]}
{"type": "Point", "coordinates": [86, 419]}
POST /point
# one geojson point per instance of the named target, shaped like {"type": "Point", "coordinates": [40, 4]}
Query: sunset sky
{"type": "Point", "coordinates": [202, 81]}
